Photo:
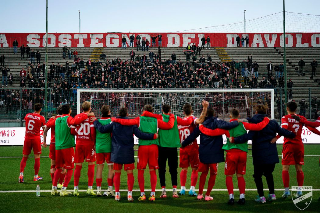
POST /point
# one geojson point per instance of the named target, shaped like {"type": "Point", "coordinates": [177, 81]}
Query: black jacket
{"type": "Point", "coordinates": [264, 152]}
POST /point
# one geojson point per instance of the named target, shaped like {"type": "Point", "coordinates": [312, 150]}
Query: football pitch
{"type": "Point", "coordinates": [17, 197]}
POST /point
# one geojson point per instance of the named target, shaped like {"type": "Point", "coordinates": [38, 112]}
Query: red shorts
{"type": "Point", "coordinates": [31, 143]}
{"type": "Point", "coordinates": [236, 161]}
{"type": "Point", "coordinates": [148, 155]}
{"type": "Point", "coordinates": [104, 157]}
{"type": "Point", "coordinates": [203, 167]}
{"type": "Point", "coordinates": [292, 154]}
{"type": "Point", "coordinates": [65, 158]}
{"type": "Point", "coordinates": [117, 166]}
{"type": "Point", "coordinates": [85, 152]}
{"type": "Point", "coordinates": [52, 152]}
{"type": "Point", "coordinates": [189, 156]}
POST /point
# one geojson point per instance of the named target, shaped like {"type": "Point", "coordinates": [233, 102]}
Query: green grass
{"type": "Point", "coordinates": [28, 202]}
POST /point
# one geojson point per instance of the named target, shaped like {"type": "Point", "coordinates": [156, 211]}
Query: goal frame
{"type": "Point", "coordinates": [102, 90]}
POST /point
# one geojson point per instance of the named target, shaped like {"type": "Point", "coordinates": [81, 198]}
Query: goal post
{"type": "Point", "coordinates": [222, 100]}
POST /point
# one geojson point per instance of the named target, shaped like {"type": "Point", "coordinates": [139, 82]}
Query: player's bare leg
{"type": "Point", "coordinates": [285, 179]}
{"type": "Point", "coordinates": [99, 178]}
{"type": "Point", "coordinates": [116, 182]}
{"type": "Point", "coordinates": [130, 183]}
{"type": "Point", "coordinates": [194, 178]}
{"type": "Point", "coordinates": [242, 187]}
{"type": "Point", "coordinates": [77, 173]}
{"type": "Point", "coordinates": [229, 184]}
{"type": "Point", "coordinates": [300, 179]}
{"type": "Point", "coordinates": [36, 167]}
{"type": "Point", "coordinates": [23, 164]}
{"type": "Point", "coordinates": [91, 166]}
{"type": "Point", "coordinates": [183, 180]}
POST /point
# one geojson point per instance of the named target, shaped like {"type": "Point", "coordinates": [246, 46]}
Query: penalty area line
{"type": "Point", "coordinates": [137, 190]}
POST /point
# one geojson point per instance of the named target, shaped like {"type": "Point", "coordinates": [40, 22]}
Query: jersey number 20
{"type": "Point", "coordinates": [84, 129]}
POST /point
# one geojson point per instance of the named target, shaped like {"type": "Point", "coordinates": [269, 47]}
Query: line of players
{"type": "Point", "coordinates": [111, 140]}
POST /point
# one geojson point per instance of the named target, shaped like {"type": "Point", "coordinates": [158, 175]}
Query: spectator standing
{"type": "Point", "coordinates": [160, 40]}
{"type": "Point", "coordinates": [247, 41]}
{"type": "Point", "coordinates": [32, 56]}
{"type": "Point", "coordinates": [314, 65]}
{"type": "Point", "coordinates": [290, 85]}
{"type": "Point", "coordinates": [208, 42]}
{"type": "Point", "coordinates": [238, 40]}
{"type": "Point", "coordinates": [38, 56]}
{"type": "Point", "coordinates": [23, 73]}
{"type": "Point", "coordinates": [15, 46]}
{"type": "Point", "coordinates": [301, 64]}
{"type": "Point", "coordinates": [242, 41]}
{"type": "Point", "coordinates": [28, 51]}
{"type": "Point", "coordinates": [132, 54]}
{"type": "Point", "coordinates": [69, 53]}
{"type": "Point", "coordinates": [198, 50]}
{"type": "Point", "coordinates": [153, 39]}
{"type": "Point", "coordinates": [203, 42]}
{"type": "Point", "coordinates": [2, 60]}
{"type": "Point", "coordinates": [10, 79]}
{"type": "Point", "coordinates": [22, 51]}
{"type": "Point", "coordinates": [147, 44]}
{"type": "Point", "coordinates": [173, 58]}
{"type": "Point", "coordinates": [138, 38]}
{"type": "Point", "coordinates": [281, 69]}
{"type": "Point", "coordinates": [64, 50]}
{"type": "Point", "coordinates": [143, 44]}
{"type": "Point", "coordinates": [276, 70]}
{"type": "Point", "coordinates": [159, 54]}
{"type": "Point", "coordinates": [256, 70]}
{"type": "Point", "coordinates": [151, 55]}
{"type": "Point", "coordinates": [4, 76]}
{"type": "Point", "coordinates": [124, 42]}
{"type": "Point", "coordinates": [75, 54]}
{"type": "Point", "coordinates": [131, 40]}
{"type": "Point", "coordinates": [269, 69]}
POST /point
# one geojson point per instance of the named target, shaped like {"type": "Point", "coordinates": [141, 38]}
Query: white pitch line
{"type": "Point", "coordinates": [137, 190]}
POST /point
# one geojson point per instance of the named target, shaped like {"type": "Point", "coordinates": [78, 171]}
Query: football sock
{"type": "Point", "coordinates": [130, 181]}
{"type": "Point", "coordinates": [36, 166]}
{"type": "Point", "coordinates": [116, 181]}
{"type": "Point", "coordinates": [153, 194]}
{"type": "Point", "coordinates": [183, 188]}
{"type": "Point", "coordinates": [89, 187]}
{"type": "Point", "coordinates": [203, 178]}
{"type": "Point", "coordinates": [229, 184]}
{"type": "Point", "coordinates": [241, 185]}
{"type": "Point", "coordinates": [76, 187]}
{"type": "Point", "coordinates": [212, 181]}
{"type": "Point", "coordinates": [194, 177]}
{"type": "Point", "coordinates": [61, 179]}
{"type": "Point", "coordinates": [56, 177]}
{"type": "Point", "coordinates": [242, 196]}
{"type": "Point", "coordinates": [21, 173]}
{"type": "Point", "coordinates": [129, 193]}
{"type": "Point", "coordinates": [99, 188]}
{"type": "Point", "coordinates": [54, 188]}
{"type": "Point", "coordinates": [110, 182]}
{"type": "Point", "coordinates": [23, 164]}
{"type": "Point", "coordinates": [77, 173]}
{"type": "Point", "coordinates": [153, 180]}
{"type": "Point", "coordinates": [285, 178]}
{"type": "Point", "coordinates": [163, 188]}
{"type": "Point", "coordinates": [90, 174]}
{"type": "Point", "coordinates": [141, 179]}
{"type": "Point", "coordinates": [231, 196]}
{"type": "Point", "coordinates": [68, 178]}
{"type": "Point", "coordinates": [183, 178]}
{"type": "Point", "coordinates": [142, 193]}
{"type": "Point", "coordinates": [110, 188]}
{"type": "Point", "coordinates": [192, 188]}
{"type": "Point", "coordinates": [300, 178]}
{"type": "Point", "coordinates": [98, 182]}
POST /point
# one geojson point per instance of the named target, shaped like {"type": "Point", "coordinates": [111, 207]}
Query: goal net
{"type": "Point", "coordinates": [221, 100]}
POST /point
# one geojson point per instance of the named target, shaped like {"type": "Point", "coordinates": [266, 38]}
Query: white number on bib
{"type": "Point", "coordinates": [296, 127]}
{"type": "Point", "coordinates": [30, 125]}
{"type": "Point", "coordinates": [184, 133]}
{"type": "Point", "coordinates": [84, 129]}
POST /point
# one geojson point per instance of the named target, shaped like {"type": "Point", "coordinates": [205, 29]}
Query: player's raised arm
{"type": "Point", "coordinates": [202, 117]}
{"type": "Point", "coordinates": [196, 132]}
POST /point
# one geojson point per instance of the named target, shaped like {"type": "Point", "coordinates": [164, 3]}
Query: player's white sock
{"type": "Point", "coordinates": [163, 189]}
{"type": "Point", "coordinates": [153, 193]}
{"type": "Point", "coordinates": [64, 188]}
{"type": "Point", "coordinates": [192, 188]}
{"type": "Point", "coordinates": [89, 187]}
{"type": "Point", "coordinates": [129, 193]}
{"type": "Point", "coordinates": [231, 196]}
{"type": "Point", "coordinates": [36, 176]}
{"type": "Point", "coordinates": [110, 188]}
{"type": "Point", "coordinates": [183, 188]}
{"type": "Point", "coordinates": [142, 193]}
{"type": "Point", "coordinates": [54, 187]}
{"type": "Point", "coordinates": [118, 193]}
{"type": "Point", "coordinates": [174, 189]}
{"type": "Point", "coordinates": [286, 189]}
{"type": "Point", "coordinates": [242, 196]}
{"type": "Point", "coordinates": [299, 188]}
{"type": "Point", "coordinates": [99, 188]}
{"type": "Point", "coordinates": [21, 173]}
{"type": "Point", "coordinates": [76, 187]}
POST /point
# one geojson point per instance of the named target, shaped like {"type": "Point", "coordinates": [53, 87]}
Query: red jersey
{"type": "Point", "coordinates": [292, 125]}
{"type": "Point", "coordinates": [51, 125]}
{"type": "Point", "coordinates": [85, 132]}
{"type": "Point", "coordinates": [34, 122]}
{"type": "Point", "coordinates": [185, 131]}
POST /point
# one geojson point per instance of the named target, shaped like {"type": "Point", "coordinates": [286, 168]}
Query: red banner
{"type": "Point", "coordinates": [168, 39]}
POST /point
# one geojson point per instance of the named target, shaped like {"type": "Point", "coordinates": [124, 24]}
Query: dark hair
{"type": "Point", "coordinates": [261, 109]}
{"type": "Point", "coordinates": [148, 108]}
{"type": "Point", "coordinates": [59, 110]}
{"type": "Point", "coordinates": [65, 109]}
{"type": "Point", "coordinates": [210, 112]}
{"type": "Point", "coordinates": [187, 109]}
{"type": "Point", "coordinates": [37, 107]}
{"type": "Point", "coordinates": [166, 108]}
{"type": "Point", "coordinates": [123, 112]}
{"type": "Point", "coordinates": [234, 113]}
{"type": "Point", "coordinates": [292, 106]}
{"type": "Point", "coordinates": [105, 110]}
